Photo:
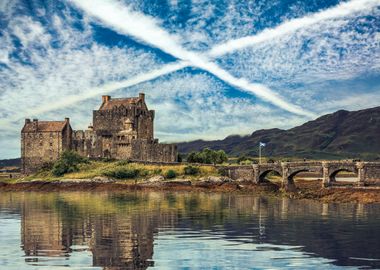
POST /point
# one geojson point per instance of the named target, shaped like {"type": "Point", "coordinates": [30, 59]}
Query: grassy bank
{"type": "Point", "coordinates": [124, 170]}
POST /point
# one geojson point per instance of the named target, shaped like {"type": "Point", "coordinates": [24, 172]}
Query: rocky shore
{"type": "Point", "coordinates": [305, 189]}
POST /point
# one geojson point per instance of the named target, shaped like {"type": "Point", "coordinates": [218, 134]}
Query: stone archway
{"type": "Point", "coordinates": [263, 174]}
{"type": "Point", "coordinates": [333, 173]}
{"type": "Point", "coordinates": [290, 178]}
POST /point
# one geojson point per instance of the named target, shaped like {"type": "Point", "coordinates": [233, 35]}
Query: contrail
{"type": "Point", "coordinates": [106, 88]}
{"type": "Point", "coordinates": [341, 10]}
{"type": "Point", "coordinates": [146, 30]}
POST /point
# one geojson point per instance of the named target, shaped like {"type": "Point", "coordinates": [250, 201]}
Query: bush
{"type": "Point", "coordinates": [68, 162]}
{"type": "Point", "coordinates": [208, 156]}
{"type": "Point", "coordinates": [170, 174]}
{"type": "Point", "coordinates": [122, 173]}
{"type": "Point", "coordinates": [191, 170]}
{"type": "Point", "coordinates": [157, 171]}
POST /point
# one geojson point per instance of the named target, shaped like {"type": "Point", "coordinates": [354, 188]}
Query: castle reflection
{"type": "Point", "coordinates": [119, 230]}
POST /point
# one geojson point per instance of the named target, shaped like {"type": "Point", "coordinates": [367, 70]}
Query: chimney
{"type": "Point", "coordinates": [142, 96]}
{"type": "Point", "coordinates": [35, 124]}
{"type": "Point", "coordinates": [27, 120]}
{"type": "Point", "coordinates": [106, 98]}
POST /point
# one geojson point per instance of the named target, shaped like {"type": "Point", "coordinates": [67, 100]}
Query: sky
{"type": "Point", "coordinates": [209, 68]}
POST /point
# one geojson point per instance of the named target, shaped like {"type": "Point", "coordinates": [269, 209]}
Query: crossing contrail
{"type": "Point", "coordinates": [145, 29]}
{"type": "Point", "coordinates": [106, 88]}
{"type": "Point", "coordinates": [341, 10]}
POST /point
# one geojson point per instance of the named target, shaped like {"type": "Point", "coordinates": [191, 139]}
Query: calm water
{"type": "Point", "coordinates": [184, 231]}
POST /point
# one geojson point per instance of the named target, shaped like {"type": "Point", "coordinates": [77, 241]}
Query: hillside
{"type": "Point", "coordinates": [342, 134]}
{"type": "Point", "coordinates": [14, 162]}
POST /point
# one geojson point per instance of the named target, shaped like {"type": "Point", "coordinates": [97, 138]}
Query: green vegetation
{"type": "Point", "coordinates": [191, 170]}
{"type": "Point", "coordinates": [68, 162]}
{"type": "Point", "coordinates": [122, 173]}
{"type": "Point", "coordinates": [170, 174]}
{"type": "Point", "coordinates": [81, 168]}
{"type": "Point", "coordinates": [208, 156]}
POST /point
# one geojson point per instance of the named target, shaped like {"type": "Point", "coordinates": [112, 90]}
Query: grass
{"type": "Point", "coordinates": [124, 170]}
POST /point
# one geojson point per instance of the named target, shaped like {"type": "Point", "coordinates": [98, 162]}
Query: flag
{"type": "Point", "coordinates": [262, 144]}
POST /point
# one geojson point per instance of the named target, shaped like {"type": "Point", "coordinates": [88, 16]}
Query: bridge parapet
{"type": "Point", "coordinates": [328, 169]}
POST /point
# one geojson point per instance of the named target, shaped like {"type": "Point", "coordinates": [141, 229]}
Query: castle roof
{"type": "Point", "coordinates": [44, 126]}
{"type": "Point", "coordinates": [111, 103]}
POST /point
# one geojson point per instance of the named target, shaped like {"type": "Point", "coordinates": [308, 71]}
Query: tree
{"type": "Point", "coordinates": [68, 162]}
{"type": "Point", "coordinates": [207, 156]}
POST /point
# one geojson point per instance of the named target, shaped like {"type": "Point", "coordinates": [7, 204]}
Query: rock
{"type": "Point", "coordinates": [213, 181]}
{"type": "Point", "coordinates": [160, 182]}
{"type": "Point", "coordinates": [156, 178]}
{"type": "Point", "coordinates": [177, 182]}
{"type": "Point", "coordinates": [102, 179]}
{"type": "Point", "coordinates": [244, 181]}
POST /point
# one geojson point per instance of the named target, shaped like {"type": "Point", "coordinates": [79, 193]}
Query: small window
{"type": "Point", "coordinates": [40, 143]}
{"type": "Point", "coordinates": [51, 144]}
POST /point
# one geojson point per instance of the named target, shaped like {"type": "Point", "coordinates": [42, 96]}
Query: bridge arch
{"type": "Point", "coordinates": [333, 173]}
{"type": "Point", "coordinates": [264, 173]}
{"type": "Point", "coordinates": [291, 175]}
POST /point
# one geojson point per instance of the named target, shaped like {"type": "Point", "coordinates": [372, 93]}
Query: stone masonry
{"type": "Point", "coordinates": [122, 129]}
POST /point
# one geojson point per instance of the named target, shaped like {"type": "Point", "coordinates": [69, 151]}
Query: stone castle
{"type": "Point", "coordinates": [122, 129]}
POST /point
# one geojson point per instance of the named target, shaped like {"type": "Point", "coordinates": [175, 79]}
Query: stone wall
{"type": "Point", "coordinates": [238, 172]}
{"type": "Point", "coordinates": [109, 122]}
{"type": "Point", "coordinates": [84, 143]}
{"type": "Point", "coordinates": [153, 151]}
{"type": "Point", "coordinates": [39, 148]}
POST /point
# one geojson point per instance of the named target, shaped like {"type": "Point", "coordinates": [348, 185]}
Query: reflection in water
{"type": "Point", "coordinates": [184, 230]}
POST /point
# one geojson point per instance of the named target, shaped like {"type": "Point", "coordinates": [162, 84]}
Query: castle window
{"type": "Point", "coordinates": [51, 144]}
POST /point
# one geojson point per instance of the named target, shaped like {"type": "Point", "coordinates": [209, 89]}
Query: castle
{"type": "Point", "coordinates": [122, 129]}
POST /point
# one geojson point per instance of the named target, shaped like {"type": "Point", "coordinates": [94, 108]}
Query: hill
{"type": "Point", "coordinates": [343, 134]}
{"type": "Point", "coordinates": [14, 162]}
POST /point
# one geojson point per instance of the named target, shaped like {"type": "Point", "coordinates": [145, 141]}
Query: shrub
{"type": "Point", "coordinates": [157, 171]}
{"type": "Point", "coordinates": [122, 173]}
{"type": "Point", "coordinates": [207, 156]}
{"type": "Point", "coordinates": [170, 174]}
{"type": "Point", "coordinates": [223, 171]}
{"type": "Point", "coordinates": [68, 162]}
{"type": "Point", "coordinates": [191, 170]}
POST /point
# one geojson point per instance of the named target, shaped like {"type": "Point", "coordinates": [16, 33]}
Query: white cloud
{"type": "Point", "coordinates": [342, 10]}
{"type": "Point", "coordinates": [146, 29]}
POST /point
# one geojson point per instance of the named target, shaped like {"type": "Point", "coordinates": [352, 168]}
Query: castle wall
{"type": "Point", "coordinates": [84, 143]}
{"type": "Point", "coordinates": [109, 122]}
{"type": "Point", "coordinates": [39, 148]}
{"type": "Point", "coordinates": [153, 151]}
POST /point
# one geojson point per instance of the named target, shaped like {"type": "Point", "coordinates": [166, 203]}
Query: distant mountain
{"type": "Point", "coordinates": [342, 134]}
{"type": "Point", "coordinates": [14, 162]}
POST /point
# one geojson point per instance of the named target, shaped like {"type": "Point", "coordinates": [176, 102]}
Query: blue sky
{"type": "Point", "coordinates": [209, 68]}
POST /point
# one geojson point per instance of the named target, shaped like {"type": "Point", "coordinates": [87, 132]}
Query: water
{"type": "Point", "coordinates": [158, 230]}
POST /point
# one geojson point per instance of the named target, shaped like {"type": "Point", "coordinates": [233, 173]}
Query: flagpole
{"type": "Point", "coordinates": [259, 153]}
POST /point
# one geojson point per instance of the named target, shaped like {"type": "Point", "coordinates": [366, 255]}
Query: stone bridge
{"type": "Point", "coordinates": [327, 170]}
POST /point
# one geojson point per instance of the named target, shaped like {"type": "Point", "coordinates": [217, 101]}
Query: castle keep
{"type": "Point", "coordinates": [122, 129]}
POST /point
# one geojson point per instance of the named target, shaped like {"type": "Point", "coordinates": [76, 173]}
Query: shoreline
{"type": "Point", "coordinates": [306, 189]}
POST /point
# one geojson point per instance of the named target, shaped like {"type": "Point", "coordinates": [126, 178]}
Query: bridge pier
{"type": "Point", "coordinates": [361, 173]}
{"type": "Point", "coordinates": [325, 175]}
{"type": "Point", "coordinates": [256, 173]}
